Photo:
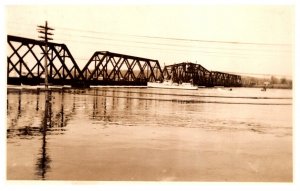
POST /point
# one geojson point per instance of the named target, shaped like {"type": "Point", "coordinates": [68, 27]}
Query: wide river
{"type": "Point", "coordinates": [144, 134]}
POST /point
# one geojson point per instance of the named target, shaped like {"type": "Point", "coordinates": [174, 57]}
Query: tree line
{"type": "Point", "coordinates": [271, 82]}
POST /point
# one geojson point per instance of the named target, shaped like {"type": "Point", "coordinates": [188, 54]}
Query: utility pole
{"type": "Point", "coordinates": [45, 30]}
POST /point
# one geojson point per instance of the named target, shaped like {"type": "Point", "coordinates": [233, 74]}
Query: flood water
{"type": "Point", "coordinates": [141, 134]}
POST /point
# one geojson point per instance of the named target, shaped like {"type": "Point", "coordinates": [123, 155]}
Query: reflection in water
{"type": "Point", "coordinates": [43, 161]}
{"type": "Point", "coordinates": [19, 104]}
{"type": "Point", "coordinates": [37, 121]}
{"type": "Point", "coordinates": [95, 120]}
{"type": "Point", "coordinates": [95, 104]}
{"type": "Point", "coordinates": [25, 121]}
{"type": "Point", "coordinates": [62, 124]}
{"type": "Point", "coordinates": [99, 112]}
{"type": "Point", "coordinates": [37, 99]}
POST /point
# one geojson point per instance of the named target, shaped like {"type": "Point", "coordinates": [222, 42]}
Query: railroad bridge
{"type": "Point", "coordinates": [197, 74]}
{"type": "Point", "coordinates": [25, 66]}
{"type": "Point", "coordinates": [107, 68]}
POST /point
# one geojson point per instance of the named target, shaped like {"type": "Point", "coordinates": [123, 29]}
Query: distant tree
{"type": "Point", "coordinates": [290, 82]}
{"type": "Point", "coordinates": [283, 81]}
{"type": "Point", "coordinates": [274, 80]}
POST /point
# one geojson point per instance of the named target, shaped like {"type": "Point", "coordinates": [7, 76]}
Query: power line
{"type": "Point", "coordinates": [196, 49]}
{"type": "Point", "coordinates": [180, 45]}
{"type": "Point", "coordinates": [232, 50]}
{"type": "Point", "coordinates": [182, 51]}
{"type": "Point", "coordinates": [166, 44]}
{"type": "Point", "coordinates": [186, 50]}
{"type": "Point", "coordinates": [183, 39]}
{"type": "Point", "coordinates": [176, 39]}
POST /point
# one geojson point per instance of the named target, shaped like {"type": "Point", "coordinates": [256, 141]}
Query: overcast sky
{"type": "Point", "coordinates": [237, 39]}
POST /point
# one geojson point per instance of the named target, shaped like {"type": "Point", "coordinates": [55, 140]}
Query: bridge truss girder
{"type": "Point", "coordinates": [198, 75]}
{"type": "Point", "coordinates": [25, 62]}
{"type": "Point", "coordinates": [107, 68]}
{"type": "Point", "coordinates": [224, 79]}
{"type": "Point", "coordinates": [186, 72]}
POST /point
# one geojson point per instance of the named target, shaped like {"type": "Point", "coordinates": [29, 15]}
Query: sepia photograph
{"type": "Point", "coordinates": [149, 92]}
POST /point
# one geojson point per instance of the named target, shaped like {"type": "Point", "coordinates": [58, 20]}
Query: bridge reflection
{"type": "Point", "coordinates": [43, 161]}
{"type": "Point", "coordinates": [36, 118]}
{"type": "Point", "coordinates": [27, 120]}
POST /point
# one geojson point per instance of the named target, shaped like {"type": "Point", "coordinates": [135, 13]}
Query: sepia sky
{"type": "Point", "coordinates": [242, 39]}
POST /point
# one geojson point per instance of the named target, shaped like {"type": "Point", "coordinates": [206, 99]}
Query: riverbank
{"type": "Point", "coordinates": [274, 86]}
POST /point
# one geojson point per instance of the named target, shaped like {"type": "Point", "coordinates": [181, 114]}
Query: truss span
{"type": "Point", "coordinates": [25, 63]}
{"type": "Point", "coordinates": [107, 68]}
{"type": "Point", "coordinates": [198, 75]}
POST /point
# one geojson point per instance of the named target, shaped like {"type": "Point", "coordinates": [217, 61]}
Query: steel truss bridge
{"type": "Point", "coordinates": [25, 65]}
{"type": "Point", "coordinates": [197, 74]}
